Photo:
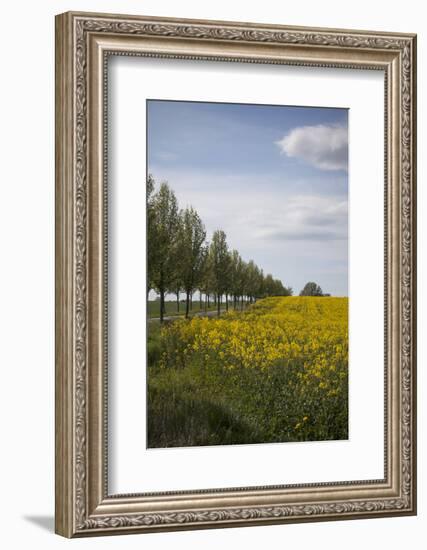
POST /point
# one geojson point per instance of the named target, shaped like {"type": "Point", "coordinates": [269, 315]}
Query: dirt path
{"type": "Point", "coordinates": [212, 313]}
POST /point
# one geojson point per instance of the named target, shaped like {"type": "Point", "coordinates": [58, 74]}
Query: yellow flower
{"type": "Point", "coordinates": [308, 334]}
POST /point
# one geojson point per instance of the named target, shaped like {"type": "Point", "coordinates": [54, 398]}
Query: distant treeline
{"type": "Point", "coordinates": [181, 259]}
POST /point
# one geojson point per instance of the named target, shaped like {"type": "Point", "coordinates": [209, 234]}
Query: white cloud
{"type": "Point", "coordinates": [308, 218]}
{"type": "Point", "coordinates": [325, 147]}
{"type": "Point", "coordinates": [251, 208]}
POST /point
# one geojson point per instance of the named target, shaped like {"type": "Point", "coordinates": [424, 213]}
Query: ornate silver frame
{"type": "Point", "coordinates": [83, 42]}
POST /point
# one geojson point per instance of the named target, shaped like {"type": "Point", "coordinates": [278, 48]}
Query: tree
{"type": "Point", "coordinates": [176, 285]}
{"type": "Point", "coordinates": [152, 249]}
{"type": "Point", "coordinates": [243, 283]}
{"type": "Point", "coordinates": [311, 289]}
{"type": "Point", "coordinates": [207, 282]}
{"type": "Point", "coordinates": [191, 252]}
{"type": "Point", "coordinates": [269, 287]}
{"type": "Point", "coordinates": [220, 260]}
{"type": "Point", "coordinates": [236, 276]}
{"type": "Point", "coordinates": [163, 233]}
{"type": "Point", "coordinates": [280, 290]}
{"type": "Point", "coordinates": [253, 279]}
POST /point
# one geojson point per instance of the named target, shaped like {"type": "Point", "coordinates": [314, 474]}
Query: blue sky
{"type": "Point", "coordinates": [274, 178]}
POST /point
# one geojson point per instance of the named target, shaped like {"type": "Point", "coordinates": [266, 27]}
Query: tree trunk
{"type": "Point", "coordinates": [191, 301]}
{"type": "Point", "coordinates": [187, 304]}
{"type": "Point", "coordinates": [177, 301]}
{"type": "Point", "coordinates": [218, 304]}
{"type": "Point", "coordinates": [208, 300]}
{"type": "Point", "coordinates": [162, 305]}
{"type": "Point", "coordinates": [200, 300]}
{"type": "Point", "coordinates": [226, 302]}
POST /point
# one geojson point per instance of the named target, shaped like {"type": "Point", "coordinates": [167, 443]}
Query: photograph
{"type": "Point", "coordinates": [235, 271]}
{"type": "Point", "coordinates": [247, 273]}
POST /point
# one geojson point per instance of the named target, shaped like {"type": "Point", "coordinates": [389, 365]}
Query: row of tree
{"type": "Point", "coordinates": [180, 259]}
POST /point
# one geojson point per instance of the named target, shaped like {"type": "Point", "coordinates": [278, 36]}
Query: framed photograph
{"type": "Point", "coordinates": [235, 274]}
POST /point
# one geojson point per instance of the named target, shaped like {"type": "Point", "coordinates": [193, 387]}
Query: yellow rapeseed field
{"type": "Point", "coordinates": [275, 372]}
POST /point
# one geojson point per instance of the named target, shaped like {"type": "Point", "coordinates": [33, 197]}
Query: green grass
{"type": "Point", "coordinates": [183, 409]}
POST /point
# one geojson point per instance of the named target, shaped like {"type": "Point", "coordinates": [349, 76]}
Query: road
{"type": "Point", "coordinates": [212, 313]}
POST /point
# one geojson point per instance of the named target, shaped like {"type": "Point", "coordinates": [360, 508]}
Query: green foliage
{"type": "Point", "coordinates": [220, 262]}
{"type": "Point", "coordinates": [154, 345]}
{"type": "Point", "coordinates": [191, 252]}
{"type": "Point", "coordinates": [162, 228]}
{"type": "Point", "coordinates": [311, 289]}
{"type": "Point", "coordinates": [152, 250]}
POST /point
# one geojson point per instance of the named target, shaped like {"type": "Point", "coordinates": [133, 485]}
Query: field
{"type": "Point", "coordinates": [276, 372]}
